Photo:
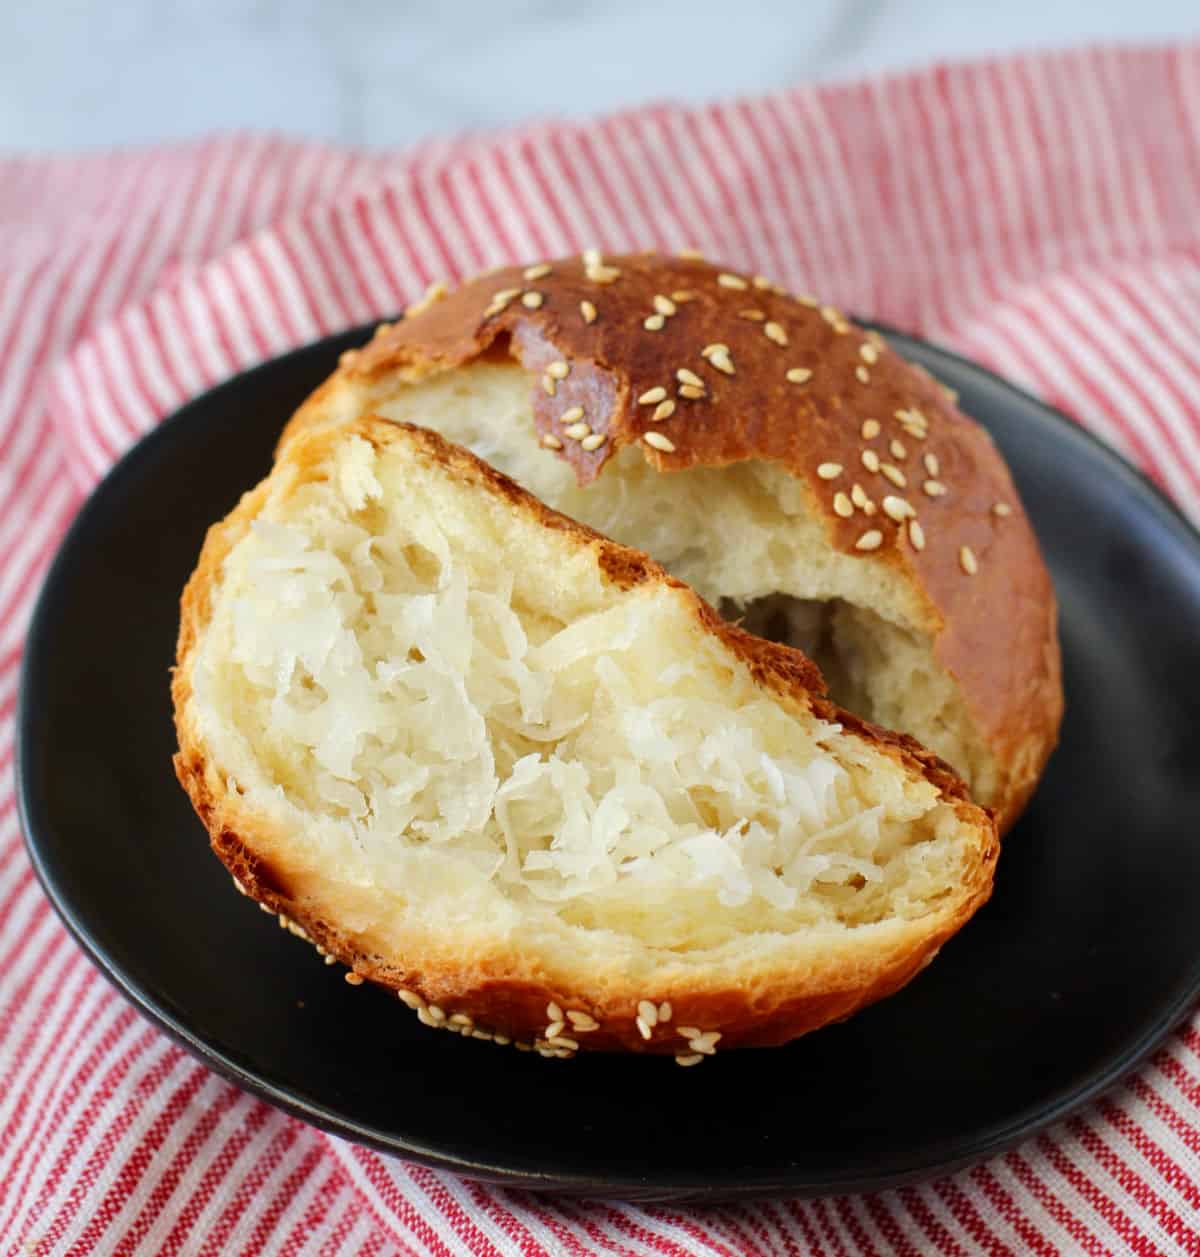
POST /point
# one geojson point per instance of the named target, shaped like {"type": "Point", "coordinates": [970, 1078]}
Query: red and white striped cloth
{"type": "Point", "coordinates": [1041, 214]}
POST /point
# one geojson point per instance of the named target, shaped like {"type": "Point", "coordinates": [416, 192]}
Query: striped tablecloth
{"type": "Point", "coordinates": [1040, 214]}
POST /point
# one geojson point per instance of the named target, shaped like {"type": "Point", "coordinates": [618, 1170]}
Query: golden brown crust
{"type": "Point", "coordinates": [994, 630]}
{"type": "Point", "coordinates": [502, 992]}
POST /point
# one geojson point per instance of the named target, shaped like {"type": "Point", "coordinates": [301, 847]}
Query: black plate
{"type": "Point", "coordinates": [1085, 958]}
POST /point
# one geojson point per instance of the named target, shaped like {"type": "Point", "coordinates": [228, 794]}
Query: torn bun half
{"type": "Point", "coordinates": [517, 773]}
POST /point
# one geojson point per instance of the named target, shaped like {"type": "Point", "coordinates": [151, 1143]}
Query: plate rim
{"type": "Point", "coordinates": [939, 1160]}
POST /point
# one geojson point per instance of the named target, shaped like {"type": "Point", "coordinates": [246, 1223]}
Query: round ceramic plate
{"type": "Point", "coordinates": [1087, 955]}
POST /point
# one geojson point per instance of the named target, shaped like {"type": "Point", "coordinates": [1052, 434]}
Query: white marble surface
{"type": "Point", "coordinates": [84, 73]}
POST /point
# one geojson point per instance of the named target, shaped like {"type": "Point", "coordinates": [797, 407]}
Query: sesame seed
{"type": "Point", "coordinates": [563, 1041]}
{"type": "Point", "coordinates": [912, 417]}
{"type": "Point", "coordinates": [331, 960]}
{"type": "Point", "coordinates": [460, 1019]}
{"type": "Point", "coordinates": [505, 295]}
{"type": "Point", "coordinates": [951, 393]}
{"type": "Point", "coordinates": [657, 441]}
{"type": "Point", "coordinates": [870, 460]}
{"type": "Point", "coordinates": [872, 539]}
{"type": "Point", "coordinates": [593, 442]}
{"type": "Point", "coordinates": [829, 471]}
{"type": "Point", "coordinates": [1002, 509]}
{"type": "Point", "coordinates": [664, 410]}
{"type": "Point", "coordinates": [722, 363]}
{"type": "Point", "coordinates": [799, 375]}
{"type": "Point", "coordinates": [684, 376]}
{"type": "Point", "coordinates": [895, 475]}
{"type": "Point", "coordinates": [592, 257]}
{"type": "Point", "coordinates": [664, 305]}
{"type": "Point", "coordinates": [643, 1027]}
{"type": "Point", "coordinates": [411, 998]}
{"type": "Point", "coordinates": [347, 357]}
{"type": "Point", "coordinates": [691, 255]}
{"type": "Point", "coordinates": [967, 560]}
{"type": "Point", "coordinates": [654, 323]}
{"type": "Point", "coordinates": [558, 370]}
{"type": "Point", "coordinates": [555, 1027]}
{"type": "Point", "coordinates": [931, 464]}
{"type": "Point", "coordinates": [761, 281]}
{"type": "Point", "coordinates": [841, 327]}
{"type": "Point", "coordinates": [665, 1011]}
{"type": "Point", "coordinates": [532, 300]}
{"type": "Point", "coordinates": [805, 300]}
{"type": "Point", "coordinates": [717, 347]}
{"type": "Point", "coordinates": [898, 449]}
{"type": "Point", "coordinates": [934, 488]}
{"type": "Point", "coordinates": [862, 375]}
{"type": "Point", "coordinates": [868, 353]}
{"type": "Point", "coordinates": [588, 311]}
{"type": "Point", "coordinates": [502, 1039]}
{"type": "Point", "coordinates": [732, 281]}
{"type": "Point", "coordinates": [691, 391]}
{"type": "Point", "coordinates": [897, 508]}
{"type": "Point", "coordinates": [582, 1022]}
{"type": "Point", "coordinates": [774, 332]}
{"type": "Point", "coordinates": [857, 496]}
{"type": "Point", "coordinates": [549, 385]}
{"type": "Point", "coordinates": [648, 1012]}
{"type": "Point", "coordinates": [870, 429]}
{"type": "Point", "coordinates": [485, 1035]}
{"type": "Point", "coordinates": [689, 1032]}
{"type": "Point", "coordinates": [688, 1058]}
{"type": "Point", "coordinates": [842, 505]}
{"type": "Point", "coordinates": [577, 431]}
{"type": "Point", "coordinates": [603, 274]}
{"type": "Point", "coordinates": [916, 535]}
{"type": "Point", "coordinates": [571, 415]}
{"type": "Point", "coordinates": [831, 314]}
{"type": "Point", "coordinates": [426, 1020]}
{"type": "Point", "coordinates": [540, 271]}
{"type": "Point", "coordinates": [706, 1043]}
{"type": "Point", "coordinates": [355, 979]}
{"type": "Point", "coordinates": [868, 507]}
{"type": "Point", "coordinates": [682, 296]}
{"type": "Point", "coordinates": [652, 396]}
{"type": "Point", "coordinates": [755, 316]}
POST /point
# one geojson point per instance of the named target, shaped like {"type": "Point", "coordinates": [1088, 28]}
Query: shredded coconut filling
{"type": "Point", "coordinates": [421, 686]}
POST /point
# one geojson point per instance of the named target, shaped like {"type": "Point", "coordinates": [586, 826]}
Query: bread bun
{"type": "Point", "coordinates": [517, 773]}
{"type": "Point", "coordinates": [790, 467]}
